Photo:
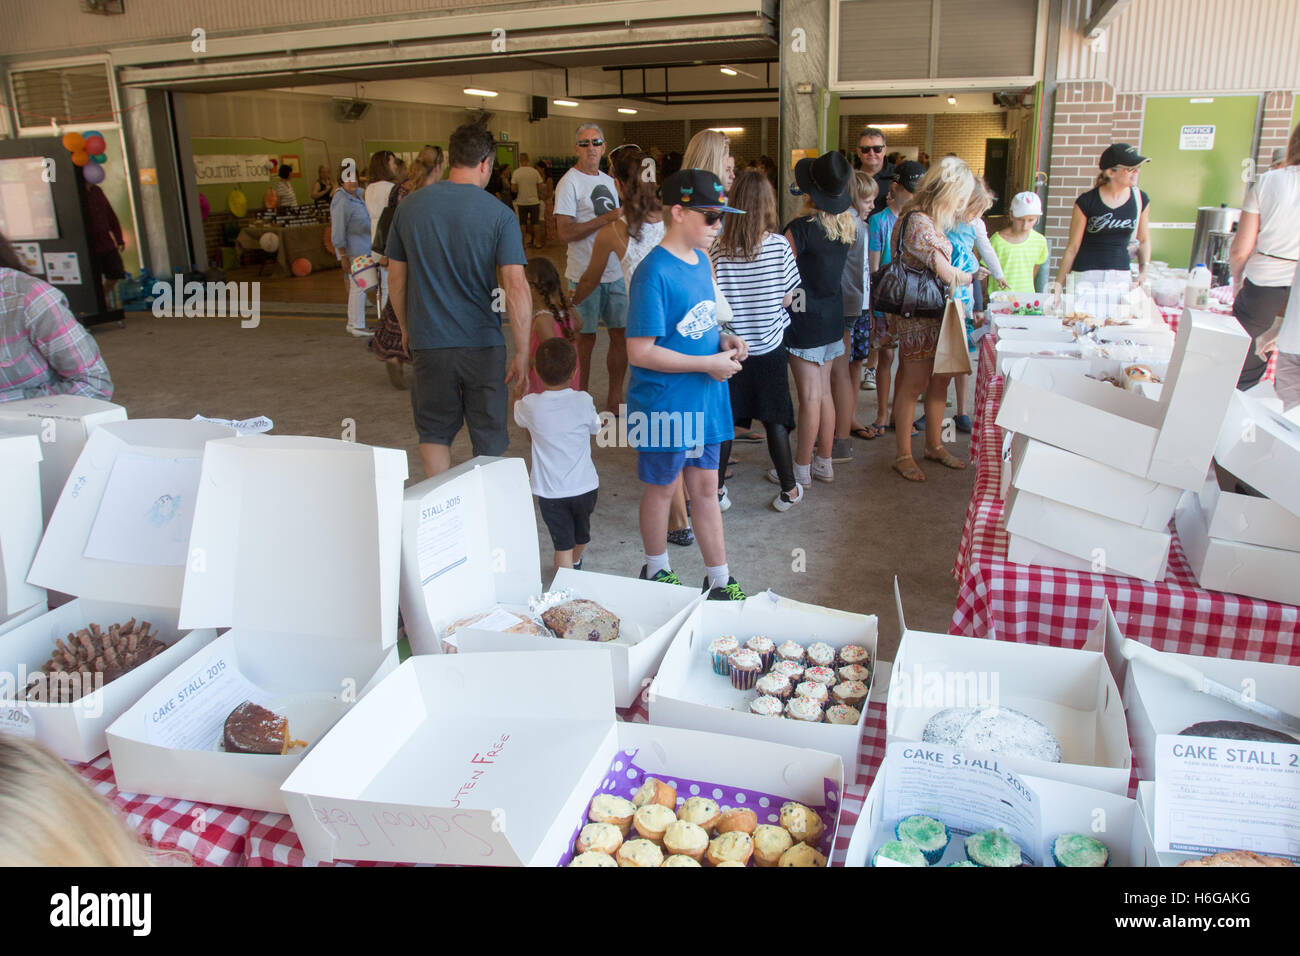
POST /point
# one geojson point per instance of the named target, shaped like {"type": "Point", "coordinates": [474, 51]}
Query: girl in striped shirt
{"type": "Point", "coordinates": [756, 271]}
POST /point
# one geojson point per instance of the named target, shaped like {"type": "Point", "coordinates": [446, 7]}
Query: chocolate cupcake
{"type": "Point", "coordinates": [763, 647]}
{"type": "Point", "coordinates": [745, 667]}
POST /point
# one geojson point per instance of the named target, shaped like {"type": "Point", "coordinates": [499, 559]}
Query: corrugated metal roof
{"type": "Point", "coordinates": [1187, 46]}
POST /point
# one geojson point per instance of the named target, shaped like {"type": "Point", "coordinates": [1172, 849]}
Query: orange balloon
{"type": "Point", "coordinates": [80, 158]}
{"type": "Point", "coordinates": [73, 142]}
{"type": "Point", "coordinates": [301, 267]}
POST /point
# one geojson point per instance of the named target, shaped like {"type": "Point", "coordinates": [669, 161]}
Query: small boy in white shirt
{"type": "Point", "coordinates": [561, 422]}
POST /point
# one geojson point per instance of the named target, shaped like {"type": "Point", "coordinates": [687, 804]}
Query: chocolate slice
{"type": "Point", "coordinates": [1237, 730]}
{"type": "Point", "coordinates": [251, 729]}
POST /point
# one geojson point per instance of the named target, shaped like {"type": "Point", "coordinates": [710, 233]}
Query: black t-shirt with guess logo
{"type": "Point", "coordinates": [1107, 231]}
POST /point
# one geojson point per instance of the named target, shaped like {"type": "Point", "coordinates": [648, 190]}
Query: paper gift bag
{"type": "Point", "coordinates": [952, 356]}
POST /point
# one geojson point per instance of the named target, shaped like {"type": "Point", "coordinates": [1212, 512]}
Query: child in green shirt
{"type": "Point", "coordinates": [1020, 249]}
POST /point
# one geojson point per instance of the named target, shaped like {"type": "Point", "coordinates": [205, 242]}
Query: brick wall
{"type": "Point", "coordinates": [745, 146]}
{"type": "Point", "coordinates": [965, 134]}
{"type": "Point", "coordinates": [1083, 127]}
{"type": "Point", "coordinates": [1127, 124]}
{"type": "Point", "coordinates": [1276, 127]}
{"type": "Point", "coordinates": [914, 135]}
{"type": "Point", "coordinates": [666, 134]}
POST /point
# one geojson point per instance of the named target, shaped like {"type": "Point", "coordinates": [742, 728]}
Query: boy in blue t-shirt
{"type": "Point", "coordinates": [678, 406]}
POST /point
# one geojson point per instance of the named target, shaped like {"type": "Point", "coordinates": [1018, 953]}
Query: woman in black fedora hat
{"type": "Point", "coordinates": [821, 237]}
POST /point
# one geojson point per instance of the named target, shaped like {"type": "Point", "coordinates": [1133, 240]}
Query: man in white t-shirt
{"type": "Point", "coordinates": [523, 183]}
{"type": "Point", "coordinates": [585, 201]}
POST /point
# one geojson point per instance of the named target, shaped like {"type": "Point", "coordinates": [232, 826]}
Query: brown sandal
{"type": "Point", "coordinates": [945, 458]}
{"type": "Point", "coordinates": [911, 472]}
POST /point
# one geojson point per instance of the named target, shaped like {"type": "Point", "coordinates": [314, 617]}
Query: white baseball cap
{"type": "Point", "coordinates": [1026, 204]}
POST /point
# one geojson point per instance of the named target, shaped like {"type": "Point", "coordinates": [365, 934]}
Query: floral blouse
{"type": "Point", "coordinates": [923, 242]}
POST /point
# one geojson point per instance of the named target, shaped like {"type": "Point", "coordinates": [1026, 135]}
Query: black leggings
{"type": "Point", "coordinates": [778, 446]}
{"type": "Point", "coordinates": [1256, 307]}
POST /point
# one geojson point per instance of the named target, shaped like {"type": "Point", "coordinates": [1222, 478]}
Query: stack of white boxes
{"type": "Point", "coordinates": [1242, 543]}
{"type": "Point", "coordinates": [1097, 471]}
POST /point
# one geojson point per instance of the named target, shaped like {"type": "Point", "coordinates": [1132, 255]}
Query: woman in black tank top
{"type": "Point", "coordinates": [1106, 217]}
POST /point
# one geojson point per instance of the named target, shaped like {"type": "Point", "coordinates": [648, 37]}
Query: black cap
{"type": "Point", "coordinates": [826, 180]}
{"type": "Point", "coordinates": [696, 189]}
{"type": "Point", "coordinates": [1120, 154]}
{"type": "Point", "coordinates": [909, 174]}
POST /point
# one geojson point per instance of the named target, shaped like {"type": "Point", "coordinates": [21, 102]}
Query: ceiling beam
{"type": "Point", "coordinates": [1106, 12]}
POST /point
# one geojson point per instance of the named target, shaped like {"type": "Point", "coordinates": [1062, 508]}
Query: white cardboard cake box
{"type": "Point", "coordinates": [1170, 441]}
{"type": "Point", "coordinates": [1158, 703]}
{"type": "Point", "coordinates": [297, 542]}
{"type": "Point", "coordinates": [139, 582]}
{"type": "Point", "coordinates": [470, 542]}
{"type": "Point", "coordinates": [1010, 440]}
{"type": "Point", "coordinates": [20, 521]}
{"type": "Point", "coordinates": [1077, 356]}
{"type": "Point", "coordinates": [63, 423]}
{"type": "Point", "coordinates": [1245, 518]}
{"type": "Point", "coordinates": [1064, 807]}
{"type": "Point", "coordinates": [492, 759]}
{"type": "Point", "coordinates": [1080, 482]}
{"type": "Point", "coordinates": [1113, 546]}
{"type": "Point", "coordinates": [1270, 574]}
{"type": "Point", "coordinates": [1069, 691]}
{"type": "Point", "coordinates": [1262, 448]}
{"type": "Point", "coordinates": [20, 618]}
{"type": "Point", "coordinates": [1029, 552]}
{"type": "Point", "coordinates": [1054, 334]}
{"type": "Point", "coordinates": [687, 693]}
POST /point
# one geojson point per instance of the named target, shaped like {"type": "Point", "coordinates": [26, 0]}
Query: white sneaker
{"type": "Point", "coordinates": [788, 499]}
{"type": "Point", "coordinates": [360, 333]}
{"type": "Point", "coordinates": [724, 502]}
{"type": "Point", "coordinates": [822, 472]}
{"type": "Point", "coordinates": [775, 479]}
{"type": "Point", "coordinates": [869, 380]}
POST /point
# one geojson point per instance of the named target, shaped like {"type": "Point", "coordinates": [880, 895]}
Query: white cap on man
{"type": "Point", "coordinates": [1026, 204]}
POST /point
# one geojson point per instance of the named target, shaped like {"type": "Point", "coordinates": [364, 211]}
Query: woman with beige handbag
{"type": "Point", "coordinates": [919, 237]}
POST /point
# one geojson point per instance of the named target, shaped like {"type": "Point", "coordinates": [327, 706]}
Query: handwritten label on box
{"type": "Point", "coordinates": [1214, 795]}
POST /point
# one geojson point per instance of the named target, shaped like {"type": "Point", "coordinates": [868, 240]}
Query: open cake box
{"type": "Point", "coordinates": [118, 540]}
{"type": "Point", "coordinates": [469, 544]}
{"type": "Point", "coordinates": [493, 759]}
{"type": "Point", "coordinates": [1070, 692]}
{"type": "Point", "coordinates": [295, 548]}
{"type": "Point", "coordinates": [1170, 440]}
{"type": "Point", "coordinates": [20, 522]}
{"type": "Point", "coordinates": [969, 793]}
{"type": "Point", "coordinates": [687, 693]}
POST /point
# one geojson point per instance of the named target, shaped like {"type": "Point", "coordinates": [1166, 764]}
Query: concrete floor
{"type": "Point", "coordinates": [310, 377]}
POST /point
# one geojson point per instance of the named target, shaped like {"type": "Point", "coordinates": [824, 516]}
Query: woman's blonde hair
{"type": "Point", "coordinates": [839, 227]}
{"type": "Point", "coordinates": [943, 193]}
{"type": "Point", "coordinates": [708, 149]}
{"type": "Point", "coordinates": [426, 161]}
{"type": "Point", "coordinates": [50, 817]}
{"type": "Point", "coordinates": [862, 187]}
{"type": "Point", "coordinates": [981, 200]}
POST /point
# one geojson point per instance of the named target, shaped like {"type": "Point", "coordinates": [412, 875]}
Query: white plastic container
{"type": "Point", "coordinates": [1197, 294]}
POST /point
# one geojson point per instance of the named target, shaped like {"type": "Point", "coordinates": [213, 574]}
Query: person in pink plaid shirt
{"type": "Point", "coordinates": [43, 348]}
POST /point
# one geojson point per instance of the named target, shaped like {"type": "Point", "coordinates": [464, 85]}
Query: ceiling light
{"type": "Point", "coordinates": [629, 112]}
{"type": "Point", "coordinates": [476, 92]}
{"type": "Point", "coordinates": [564, 102]}
{"type": "Point", "coordinates": [729, 71]}
{"type": "Point", "coordinates": [888, 125]}
{"type": "Point", "coordinates": [727, 129]}
{"type": "Point", "coordinates": [952, 101]}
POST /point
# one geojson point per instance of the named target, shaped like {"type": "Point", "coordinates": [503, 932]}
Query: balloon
{"type": "Point", "coordinates": [95, 143]}
{"type": "Point", "coordinates": [73, 142]}
{"type": "Point", "coordinates": [80, 157]}
{"type": "Point", "coordinates": [269, 242]}
{"type": "Point", "coordinates": [271, 164]}
{"type": "Point", "coordinates": [205, 209]}
{"type": "Point", "coordinates": [270, 199]}
{"type": "Point", "coordinates": [94, 173]}
{"type": "Point", "coordinates": [92, 132]}
{"type": "Point", "coordinates": [100, 158]}
{"type": "Point", "coordinates": [237, 203]}
{"type": "Point", "coordinates": [301, 267]}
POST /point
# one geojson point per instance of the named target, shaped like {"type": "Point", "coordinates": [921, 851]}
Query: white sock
{"type": "Point", "coordinates": [654, 563]}
{"type": "Point", "coordinates": [802, 473]}
{"type": "Point", "coordinates": [719, 576]}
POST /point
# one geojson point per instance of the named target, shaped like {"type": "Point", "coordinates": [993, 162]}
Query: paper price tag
{"type": "Point", "coordinates": [14, 719]}
{"type": "Point", "coordinates": [1213, 795]}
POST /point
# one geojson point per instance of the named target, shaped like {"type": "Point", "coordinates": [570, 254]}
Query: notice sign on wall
{"type": "Point", "coordinates": [1196, 137]}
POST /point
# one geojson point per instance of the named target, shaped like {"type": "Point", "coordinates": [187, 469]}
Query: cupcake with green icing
{"type": "Point", "coordinates": [1075, 849]}
{"type": "Point", "coordinates": [927, 834]}
{"type": "Point", "coordinates": [900, 852]}
{"type": "Point", "coordinates": [992, 848]}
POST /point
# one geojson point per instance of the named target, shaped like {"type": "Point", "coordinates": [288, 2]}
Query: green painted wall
{"type": "Point", "coordinates": [254, 190]}
{"type": "Point", "coordinates": [1180, 180]}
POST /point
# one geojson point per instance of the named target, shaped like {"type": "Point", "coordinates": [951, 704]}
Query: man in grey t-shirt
{"type": "Point", "coordinates": [585, 201]}
{"type": "Point", "coordinates": [445, 245]}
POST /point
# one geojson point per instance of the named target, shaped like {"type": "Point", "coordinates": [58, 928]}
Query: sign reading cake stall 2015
{"type": "Point", "coordinates": [1196, 137]}
{"type": "Point", "coordinates": [1214, 795]}
{"type": "Point", "coordinates": [193, 716]}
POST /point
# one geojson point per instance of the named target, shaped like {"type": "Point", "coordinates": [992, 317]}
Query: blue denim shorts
{"type": "Point", "coordinates": [663, 467]}
{"type": "Point", "coordinates": [820, 355]}
{"type": "Point", "coordinates": [607, 304]}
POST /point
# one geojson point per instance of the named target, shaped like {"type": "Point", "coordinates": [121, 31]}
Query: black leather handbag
{"type": "Point", "coordinates": [900, 290]}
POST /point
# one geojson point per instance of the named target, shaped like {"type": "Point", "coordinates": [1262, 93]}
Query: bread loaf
{"type": "Point", "coordinates": [581, 620]}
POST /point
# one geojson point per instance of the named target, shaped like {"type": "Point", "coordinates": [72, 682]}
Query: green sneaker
{"type": "Point", "coordinates": [663, 577]}
{"type": "Point", "coordinates": [729, 592]}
